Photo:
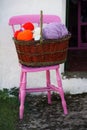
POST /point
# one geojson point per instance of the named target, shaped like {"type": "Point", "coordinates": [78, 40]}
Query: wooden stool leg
{"type": "Point", "coordinates": [21, 77]}
{"type": "Point", "coordinates": [22, 94]}
{"type": "Point", "coordinates": [61, 92]}
{"type": "Point", "coordinates": [48, 85]}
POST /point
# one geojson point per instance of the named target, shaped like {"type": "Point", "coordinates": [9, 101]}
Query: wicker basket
{"type": "Point", "coordinates": [42, 52]}
{"type": "Point", "coordinates": [36, 54]}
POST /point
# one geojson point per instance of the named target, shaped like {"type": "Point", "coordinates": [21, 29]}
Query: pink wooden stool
{"type": "Point", "coordinates": [20, 20]}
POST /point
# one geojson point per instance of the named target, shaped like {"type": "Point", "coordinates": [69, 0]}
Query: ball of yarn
{"type": "Point", "coordinates": [36, 33]}
{"type": "Point", "coordinates": [28, 26]}
{"type": "Point", "coordinates": [16, 33]}
{"type": "Point", "coordinates": [54, 31]}
{"type": "Point", "coordinates": [25, 35]}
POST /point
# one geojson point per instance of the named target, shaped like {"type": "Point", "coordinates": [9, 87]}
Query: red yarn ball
{"type": "Point", "coordinates": [16, 33]}
{"type": "Point", "coordinates": [28, 26]}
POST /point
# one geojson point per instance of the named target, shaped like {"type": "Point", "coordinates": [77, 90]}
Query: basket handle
{"type": "Point", "coordinates": [41, 25]}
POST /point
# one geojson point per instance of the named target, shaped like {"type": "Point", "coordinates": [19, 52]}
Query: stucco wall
{"type": "Point", "coordinates": [9, 69]}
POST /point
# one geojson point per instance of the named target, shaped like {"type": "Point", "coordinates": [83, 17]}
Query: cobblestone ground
{"type": "Point", "coordinates": [39, 115]}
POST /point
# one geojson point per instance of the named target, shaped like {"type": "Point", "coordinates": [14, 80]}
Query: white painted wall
{"type": "Point", "coordinates": [9, 69]}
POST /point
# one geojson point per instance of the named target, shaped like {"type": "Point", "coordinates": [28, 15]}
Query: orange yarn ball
{"type": "Point", "coordinates": [25, 35]}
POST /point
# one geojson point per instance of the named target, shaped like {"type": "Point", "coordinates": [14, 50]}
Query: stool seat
{"type": "Point", "coordinates": [23, 87]}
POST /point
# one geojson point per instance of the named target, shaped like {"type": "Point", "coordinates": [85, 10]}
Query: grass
{"type": "Point", "coordinates": [8, 109]}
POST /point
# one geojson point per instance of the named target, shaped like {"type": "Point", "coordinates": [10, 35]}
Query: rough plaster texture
{"type": "Point", "coordinates": [9, 69]}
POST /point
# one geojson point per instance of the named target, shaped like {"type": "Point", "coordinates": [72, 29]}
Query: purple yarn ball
{"type": "Point", "coordinates": [54, 31]}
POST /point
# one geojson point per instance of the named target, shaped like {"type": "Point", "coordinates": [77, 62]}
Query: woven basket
{"type": "Point", "coordinates": [36, 54]}
{"type": "Point", "coordinates": [42, 52]}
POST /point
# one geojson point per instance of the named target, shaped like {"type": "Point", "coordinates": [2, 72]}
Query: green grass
{"type": "Point", "coordinates": [8, 109]}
